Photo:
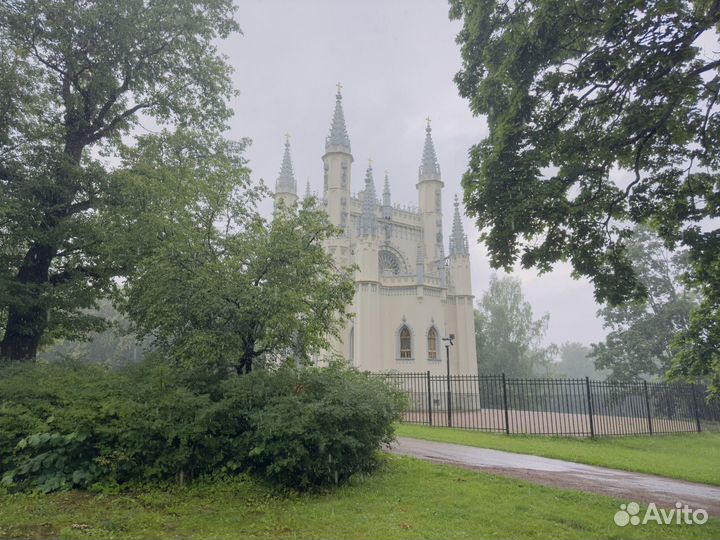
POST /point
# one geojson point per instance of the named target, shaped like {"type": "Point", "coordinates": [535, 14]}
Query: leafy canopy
{"type": "Point", "coordinates": [639, 343]}
{"type": "Point", "coordinates": [222, 286]}
{"type": "Point", "coordinates": [602, 115]}
{"type": "Point", "coordinates": [74, 76]}
{"type": "Point", "coordinates": [507, 338]}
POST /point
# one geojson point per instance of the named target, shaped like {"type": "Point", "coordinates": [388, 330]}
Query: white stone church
{"type": "Point", "coordinates": [409, 294]}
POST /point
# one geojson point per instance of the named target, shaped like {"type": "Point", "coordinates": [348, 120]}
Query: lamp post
{"type": "Point", "coordinates": [448, 342]}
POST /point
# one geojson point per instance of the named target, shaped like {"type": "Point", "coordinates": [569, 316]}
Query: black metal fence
{"type": "Point", "coordinates": [565, 407]}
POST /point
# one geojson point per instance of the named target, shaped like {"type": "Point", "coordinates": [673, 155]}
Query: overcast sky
{"type": "Point", "coordinates": [396, 62]}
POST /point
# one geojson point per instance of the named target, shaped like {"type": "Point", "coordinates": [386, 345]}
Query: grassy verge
{"type": "Point", "coordinates": [405, 499]}
{"type": "Point", "coordinates": [692, 457]}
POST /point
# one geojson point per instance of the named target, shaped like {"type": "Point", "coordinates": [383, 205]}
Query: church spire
{"type": "Point", "coordinates": [308, 193]}
{"type": "Point", "coordinates": [286, 180]}
{"type": "Point", "coordinates": [368, 224]}
{"type": "Point", "coordinates": [387, 206]}
{"type": "Point", "coordinates": [429, 165]}
{"type": "Point", "coordinates": [458, 240]}
{"type": "Point", "coordinates": [338, 140]}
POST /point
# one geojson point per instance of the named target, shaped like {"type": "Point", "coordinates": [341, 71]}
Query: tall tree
{"type": "Point", "coordinates": [642, 332]}
{"type": "Point", "coordinates": [75, 75]}
{"type": "Point", "coordinates": [507, 338]}
{"type": "Point", "coordinates": [223, 287]}
{"type": "Point", "coordinates": [601, 115]}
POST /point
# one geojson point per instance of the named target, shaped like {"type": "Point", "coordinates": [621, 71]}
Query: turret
{"type": "Point", "coordinates": [368, 222]}
{"type": "Point", "coordinates": [459, 260]}
{"type": "Point", "coordinates": [286, 186]}
{"type": "Point", "coordinates": [430, 200]}
{"type": "Point", "coordinates": [337, 165]}
{"type": "Point", "coordinates": [386, 204]}
{"type": "Point", "coordinates": [458, 239]}
{"type": "Point", "coordinates": [460, 294]}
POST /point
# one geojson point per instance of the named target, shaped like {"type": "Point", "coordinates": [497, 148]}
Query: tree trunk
{"type": "Point", "coordinates": [27, 318]}
{"type": "Point", "coordinates": [246, 361]}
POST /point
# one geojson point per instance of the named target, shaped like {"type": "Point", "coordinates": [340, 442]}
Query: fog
{"type": "Point", "coordinates": [396, 62]}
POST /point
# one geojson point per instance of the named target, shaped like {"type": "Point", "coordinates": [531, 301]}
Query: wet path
{"type": "Point", "coordinates": [625, 485]}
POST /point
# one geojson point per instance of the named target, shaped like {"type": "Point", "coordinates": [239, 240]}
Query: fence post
{"type": "Point", "coordinates": [695, 406]}
{"type": "Point", "coordinates": [505, 406]}
{"type": "Point", "coordinates": [647, 406]}
{"type": "Point", "coordinates": [429, 398]}
{"type": "Point", "coordinates": [589, 405]}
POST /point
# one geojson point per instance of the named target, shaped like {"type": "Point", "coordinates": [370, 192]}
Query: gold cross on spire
{"type": "Point", "coordinates": [370, 162]}
{"type": "Point", "coordinates": [339, 87]}
{"type": "Point", "coordinates": [428, 121]}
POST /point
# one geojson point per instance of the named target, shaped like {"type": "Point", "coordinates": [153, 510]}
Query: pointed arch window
{"type": "Point", "coordinates": [432, 343]}
{"type": "Point", "coordinates": [405, 343]}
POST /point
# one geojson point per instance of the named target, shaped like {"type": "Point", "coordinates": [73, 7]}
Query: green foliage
{"type": "Point", "coordinates": [75, 425]}
{"type": "Point", "coordinates": [507, 338]}
{"type": "Point", "coordinates": [639, 344]}
{"type": "Point", "coordinates": [407, 499]}
{"type": "Point", "coordinates": [224, 287]}
{"type": "Point", "coordinates": [53, 461]}
{"type": "Point", "coordinates": [75, 77]}
{"type": "Point", "coordinates": [115, 346]}
{"type": "Point", "coordinates": [315, 426]}
{"type": "Point", "coordinates": [602, 115]}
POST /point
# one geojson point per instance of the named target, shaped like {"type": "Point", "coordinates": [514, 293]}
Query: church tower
{"type": "Point", "coordinates": [286, 186]}
{"type": "Point", "coordinates": [460, 297]}
{"type": "Point", "coordinates": [337, 174]}
{"type": "Point", "coordinates": [429, 188]}
{"type": "Point", "coordinates": [367, 297]}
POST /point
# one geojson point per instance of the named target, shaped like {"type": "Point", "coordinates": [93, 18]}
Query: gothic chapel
{"type": "Point", "coordinates": [409, 294]}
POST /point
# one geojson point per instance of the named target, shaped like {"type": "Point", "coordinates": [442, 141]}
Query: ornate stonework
{"type": "Point", "coordinates": [409, 295]}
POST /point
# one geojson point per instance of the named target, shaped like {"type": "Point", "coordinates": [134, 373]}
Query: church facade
{"type": "Point", "coordinates": [410, 296]}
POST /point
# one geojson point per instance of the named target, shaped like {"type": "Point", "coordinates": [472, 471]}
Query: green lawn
{"type": "Point", "coordinates": [405, 499]}
{"type": "Point", "coordinates": [692, 456]}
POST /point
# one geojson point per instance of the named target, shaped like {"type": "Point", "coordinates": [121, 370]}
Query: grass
{"type": "Point", "coordinates": [407, 498]}
{"type": "Point", "coordinates": [694, 456]}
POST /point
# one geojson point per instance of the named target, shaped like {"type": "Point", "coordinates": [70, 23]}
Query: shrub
{"type": "Point", "coordinates": [316, 426]}
{"type": "Point", "coordinates": [73, 425]}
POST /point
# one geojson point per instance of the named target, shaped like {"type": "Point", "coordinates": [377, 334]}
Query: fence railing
{"type": "Point", "coordinates": [565, 407]}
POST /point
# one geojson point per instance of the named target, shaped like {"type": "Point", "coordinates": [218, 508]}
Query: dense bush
{"type": "Point", "coordinates": [77, 425]}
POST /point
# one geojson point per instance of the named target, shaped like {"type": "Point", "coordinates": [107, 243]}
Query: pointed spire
{"type": "Point", "coordinates": [368, 224]}
{"type": "Point", "coordinates": [338, 140]}
{"type": "Point", "coordinates": [308, 193]}
{"type": "Point", "coordinates": [458, 240]}
{"type": "Point", "coordinates": [429, 165]}
{"type": "Point", "coordinates": [286, 180]}
{"type": "Point", "coordinates": [386, 205]}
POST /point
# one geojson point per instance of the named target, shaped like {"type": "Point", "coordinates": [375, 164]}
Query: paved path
{"type": "Point", "coordinates": [624, 485]}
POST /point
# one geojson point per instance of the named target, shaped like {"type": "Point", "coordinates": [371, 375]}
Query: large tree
{"type": "Point", "coordinates": [74, 77]}
{"type": "Point", "coordinates": [601, 115]}
{"type": "Point", "coordinates": [224, 287]}
{"type": "Point", "coordinates": [641, 335]}
{"type": "Point", "coordinates": [508, 339]}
